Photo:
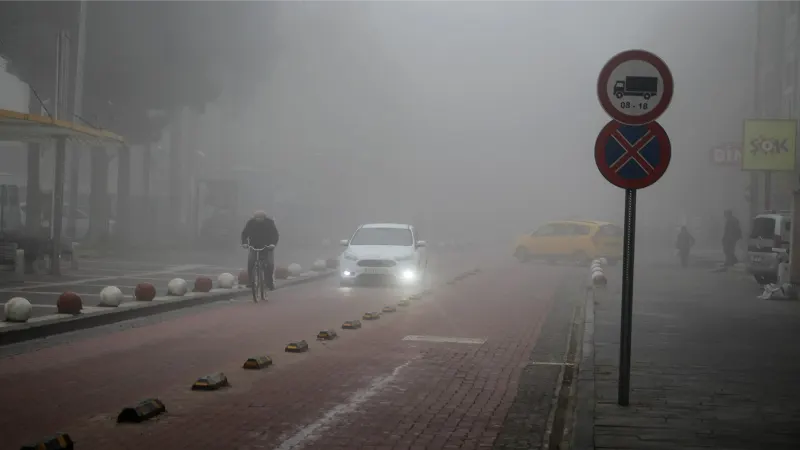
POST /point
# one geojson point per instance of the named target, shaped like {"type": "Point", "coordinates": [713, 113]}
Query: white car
{"type": "Point", "coordinates": [386, 252]}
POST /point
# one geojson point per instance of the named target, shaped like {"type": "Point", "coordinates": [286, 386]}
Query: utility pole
{"type": "Point", "coordinates": [75, 158]}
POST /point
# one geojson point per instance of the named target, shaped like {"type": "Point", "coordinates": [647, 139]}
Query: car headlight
{"type": "Point", "coordinates": [409, 275]}
{"type": "Point", "coordinates": [405, 258]}
{"type": "Point", "coordinates": [350, 257]}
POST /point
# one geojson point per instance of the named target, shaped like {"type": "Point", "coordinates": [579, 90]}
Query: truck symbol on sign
{"type": "Point", "coordinates": [636, 87]}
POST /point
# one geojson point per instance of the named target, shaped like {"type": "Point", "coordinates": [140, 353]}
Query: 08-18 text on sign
{"type": "Point", "coordinates": [635, 87]}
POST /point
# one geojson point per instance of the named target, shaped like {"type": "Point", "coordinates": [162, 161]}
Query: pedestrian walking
{"type": "Point", "coordinates": [684, 244]}
{"type": "Point", "coordinates": [731, 235]}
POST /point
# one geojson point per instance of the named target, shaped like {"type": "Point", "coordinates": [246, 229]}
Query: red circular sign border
{"type": "Point", "coordinates": [665, 147]}
{"type": "Point", "coordinates": [635, 55]}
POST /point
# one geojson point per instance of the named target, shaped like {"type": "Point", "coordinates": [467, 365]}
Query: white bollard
{"type": "Point", "coordinates": [226, 280]}
{"type": "Point", "coordinates": [18, 309]}
{"type": "Point", "coordinates": [110, 296]}
{"type": "Point", "coordinates": [295, 269]}
{"type": "Point", "coordinates": [319, 265]}
{"type": "Point", "coordinates": [19, 262]}
{"type": "Point", "coordinates": [177, 287]}
{"type": "Point", "coordinates": [599, 278]}
{"type": "Point", "coordinates": [783, 273]}
{"type": "Point", "coordinates": [73, 263]}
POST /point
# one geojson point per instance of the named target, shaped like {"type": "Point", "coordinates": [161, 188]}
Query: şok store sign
{"type": "Point", "coordinates": [769, 145]}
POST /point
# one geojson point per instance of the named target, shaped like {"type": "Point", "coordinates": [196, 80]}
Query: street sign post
{"type": "Point", "coordinates": [632, 157]}
{"type": "Point", "coordinates": [635, 87]}
{"type": "Point", "coordinates": [632, 152]}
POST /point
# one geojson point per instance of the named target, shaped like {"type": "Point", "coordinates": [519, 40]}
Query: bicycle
{"type": "Point", "coordinates": [259, 271]}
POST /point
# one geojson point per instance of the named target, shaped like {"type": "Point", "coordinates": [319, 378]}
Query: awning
{"type": "Point", "coordinates": [22, 127]}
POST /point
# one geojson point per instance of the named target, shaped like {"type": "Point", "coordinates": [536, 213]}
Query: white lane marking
{"type": "Point", "coordinates": [52, 293]}
{"type": "Point", "coordinates": [451, 340]}
{"type": "Point", "coordinates": [169, 270]}
{"type": "Point", "coordinates": [35, 305]}
{"type": "Point", "coordinates": [548, 363]}
{"type": "Point", "coordinates": [350, 405]}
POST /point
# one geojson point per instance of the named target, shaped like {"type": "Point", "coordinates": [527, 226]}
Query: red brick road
{"type": "Point", "coordinates": [367, 389]}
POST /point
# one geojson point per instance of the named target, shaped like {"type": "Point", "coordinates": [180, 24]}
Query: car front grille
{"type": "Point", "coordinates": [376, 263]}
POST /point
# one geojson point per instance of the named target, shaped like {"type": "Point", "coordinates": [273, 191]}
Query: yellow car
{"type": "Point", "coordinates": [576, 241]}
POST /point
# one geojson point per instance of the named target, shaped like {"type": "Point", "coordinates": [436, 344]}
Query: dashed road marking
{"type": "Point", "coordinates": [169, 270]}
{"type": "Point", "coordinates": [449, 340]}
{"type": "Point", "coordinates": [332, 415]}
{"type": "Point", "coordinates": [34, 305]}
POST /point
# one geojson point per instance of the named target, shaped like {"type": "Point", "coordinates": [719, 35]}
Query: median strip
{"type": "Point", "coordinates": [89, 317]}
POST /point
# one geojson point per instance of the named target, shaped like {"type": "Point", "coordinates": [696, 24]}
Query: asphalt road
{"type": "Point", "coordinates": [93, 275]}
{"type": "Point", "coordinates": [376, 387]}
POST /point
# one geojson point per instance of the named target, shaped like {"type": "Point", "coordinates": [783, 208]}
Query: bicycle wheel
{"type": "Point", "coordinates": [255, 283]}
{"type": "Point", "coordinates": [263, 283]}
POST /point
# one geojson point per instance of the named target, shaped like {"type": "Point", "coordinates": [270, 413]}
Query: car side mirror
{"type": "Point", "coordinates": [421, 244]}
{"type": "Point", "coordinates": [344, 242]}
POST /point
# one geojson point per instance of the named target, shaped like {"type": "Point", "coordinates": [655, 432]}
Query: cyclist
{"type": "Point", "coordinates": [260, 231]}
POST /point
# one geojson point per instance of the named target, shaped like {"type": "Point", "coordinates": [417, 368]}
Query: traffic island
{"type": "Point", "coordinates": [90, 317]}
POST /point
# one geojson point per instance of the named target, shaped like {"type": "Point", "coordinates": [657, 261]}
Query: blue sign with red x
{"type": "Point", "coordinates": [632, 156]}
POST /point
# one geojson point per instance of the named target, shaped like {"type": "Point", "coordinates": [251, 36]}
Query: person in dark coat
{"type": "Point", "coordinates": [684, 245]}
{"type": "Point", "coordinates": [732, 234]}
{"type": "Point", "coordinates": [259, 232]}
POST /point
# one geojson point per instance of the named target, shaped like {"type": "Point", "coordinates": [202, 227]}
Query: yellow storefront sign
{"type": "Point", "coordinates": [769, 144]}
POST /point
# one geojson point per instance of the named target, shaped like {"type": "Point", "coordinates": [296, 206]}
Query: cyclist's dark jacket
{"type": "Point", "coordinates": [261, 233]}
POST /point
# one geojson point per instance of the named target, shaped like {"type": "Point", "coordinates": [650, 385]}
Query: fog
{"type": "Point", "coordinates": [475, 115]}
{"type": "Point", "coordinates": [470, 119]}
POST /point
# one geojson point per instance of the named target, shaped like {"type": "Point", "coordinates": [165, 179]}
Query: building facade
{"type": "Point", "coordinates": [777, 92]}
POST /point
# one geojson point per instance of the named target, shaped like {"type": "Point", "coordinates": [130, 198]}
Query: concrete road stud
{"type": "Point", "coordinates": [61, 441]}
{"type": "Point", "coordinates": [257, 362]}
{"type": "Point", "coordinates": [389, 309]}
{"type": "Point", "coordinates": [351, 325]}
{"type": "Point", "coordinates": [327, 335]}
{"type": "Point", "coordinates": [211, 382]}
{"type": "Point", "coordinates": [145, 410]}
{"type": "Point", "coordinates": [404, 302]}
{"type": "Point", "coordinates": [297, 347]}
{"type": "Point", "coordinates": [371, 316]}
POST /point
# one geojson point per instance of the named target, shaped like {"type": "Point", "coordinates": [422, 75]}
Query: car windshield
{"type": "Point", "coordinates": [763, 227]}
{"type": "Point", "coordinates": [382, 236]}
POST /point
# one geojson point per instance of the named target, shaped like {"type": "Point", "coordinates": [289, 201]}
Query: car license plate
{"type": "Point", "coordinates": [756, 258]}
{"type": "Point", "coordinates": [376, 270]}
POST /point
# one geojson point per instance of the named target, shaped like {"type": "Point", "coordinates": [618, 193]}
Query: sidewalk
{"type": "Point", "coordinates": [712, 366]}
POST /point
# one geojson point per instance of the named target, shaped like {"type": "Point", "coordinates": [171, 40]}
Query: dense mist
{"type": "Point", "coordinates": [468, 118]}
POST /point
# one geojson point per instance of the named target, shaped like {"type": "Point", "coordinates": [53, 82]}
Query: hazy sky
{"type": "Point", "coordinates": [480, 111]}
{"type": "Point", "coordinates": [488, 107]}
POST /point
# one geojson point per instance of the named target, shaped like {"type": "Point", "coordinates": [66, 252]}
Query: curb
{"type": "Point", "coordinates": [583, 438]}
{"type": "Point", "coordinates": [98, 315]}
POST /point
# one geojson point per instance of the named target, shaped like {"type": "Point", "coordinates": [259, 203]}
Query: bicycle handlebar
{"type": "Point", "coordinates": [268, 247]}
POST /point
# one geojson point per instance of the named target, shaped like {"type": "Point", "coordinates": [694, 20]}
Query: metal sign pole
{"type": "Point", "coordinates": [627, 298]}
{"type": "Point", "coordinates": [632, 152]}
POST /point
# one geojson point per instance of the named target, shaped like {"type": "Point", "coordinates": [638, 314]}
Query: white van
{"type": "Point", "coordinates": [768, 231]}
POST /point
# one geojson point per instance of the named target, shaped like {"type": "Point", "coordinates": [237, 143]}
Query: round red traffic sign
{"type": "Point", "coordinates": [632, 156]}
{"type": "Point", "coordinates": [635, 87]}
